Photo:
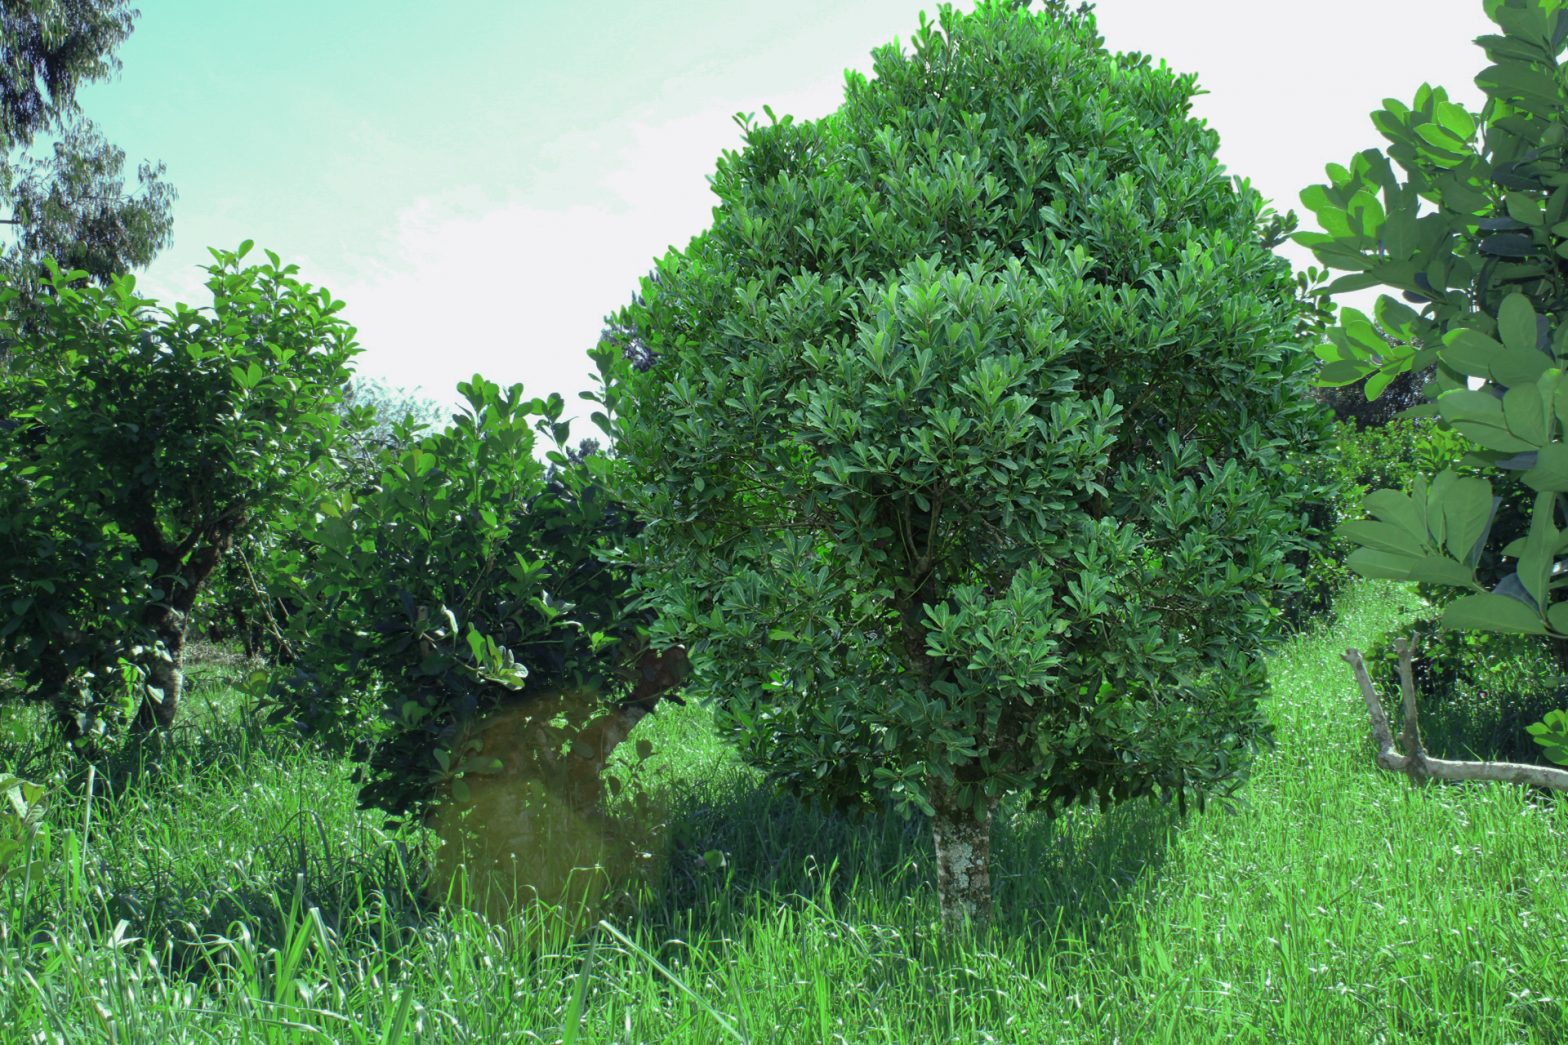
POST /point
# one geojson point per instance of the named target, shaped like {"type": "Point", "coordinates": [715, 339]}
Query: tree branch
{"type": "Point", "coordinates": [1416, 762]}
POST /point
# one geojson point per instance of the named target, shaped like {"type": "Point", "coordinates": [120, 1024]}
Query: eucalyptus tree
{"type": "Point", "coordinates": [963, 437]}
{"type": "Point", "coordinates": [73, 205]}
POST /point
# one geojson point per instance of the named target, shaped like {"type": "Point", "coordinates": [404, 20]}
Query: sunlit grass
{"type": "Point", "coordinates": [236, 893]}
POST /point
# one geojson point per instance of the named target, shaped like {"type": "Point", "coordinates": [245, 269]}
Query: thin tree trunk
{"type": "Point", "coordinates": [963, 861]}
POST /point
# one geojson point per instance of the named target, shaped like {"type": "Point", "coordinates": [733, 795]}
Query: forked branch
{"type": "Point", "coordinates": [1414, 761]}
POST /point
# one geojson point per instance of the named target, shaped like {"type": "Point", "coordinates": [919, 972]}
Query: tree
{"type": "Point", "coordinates": [72, 207]}
{"type": "Point", "coordinates": [964, 455]}
{"type": "Point", "coordinates": [143, 442]}
{"type": "Point", "coordinates": [1474, 234]}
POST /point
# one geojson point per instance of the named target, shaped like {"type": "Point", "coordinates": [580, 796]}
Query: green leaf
{"type": "Point", "coordinates": [1525, 415]}
{"type": "Point", "coordinates": [1479, 418]}
{"type": "Point", "coordinates": [1381, 536]}
{"type": "Point", "coordinates": [1432, 569]}
{"type": "Point", "coordinates": [1470, 352]}
{"type": "Point", "coordinates": [1535, 562]}
{"type": "Point", "coordinates": [1400, 509]}
{"type": "Point", "coordinates": [1467, 508]}
{"type": "Point", "coordinates": [1550, 474]}
{"type": "Point", "coordinates": [1516, 323]}
{"type": "Point", "coordinates": [1490, 612]}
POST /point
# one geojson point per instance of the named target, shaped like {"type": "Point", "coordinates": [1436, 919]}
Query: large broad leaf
{"type": "Point", "coordinates": [1536, 560]}
{"type": "Point", "coordinates": [1526, 415]}
{"type": "Point", "coordinates": [1467, 508]}
{"type": "Point", "coordinates": [1516, 323]}
{"type": "Point", "coordinates": [1550, 472]}
{"type": "Point", "coordinates": [1401, 509]}
{"type": "Point", "coordinates": [1492, 613]}
{"type": "Point", "coordinates": [1473, 353]}
{"type": "Point", "coordinates": [1381, 536]}
{"type": "Point", "coordinates": [1430, 569]}
{"type": "Point", "coordinates": [1479, 418]}
{"type": "Point", "coordinates": [1470, 352]}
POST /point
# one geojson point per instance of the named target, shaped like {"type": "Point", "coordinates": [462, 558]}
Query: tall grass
{"type": "Point", "coordinates": [231, 891]}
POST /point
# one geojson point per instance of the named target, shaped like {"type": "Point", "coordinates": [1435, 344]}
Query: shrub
{"type": "Point", "coordinates": [466, 580]}
{"type": "Point", "coordinates": [964, 454]}
{"type": "Point", "coordinates": [137, 444]}
{"type": "Point", "coordinates": [1473, 235]}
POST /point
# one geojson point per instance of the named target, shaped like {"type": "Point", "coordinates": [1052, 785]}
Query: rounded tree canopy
{"type": "Point", "coordinates": [964, 433]}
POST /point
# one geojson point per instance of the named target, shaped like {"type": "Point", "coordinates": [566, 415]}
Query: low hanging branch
{"type": "Point", "coordinates": [1415, 761]}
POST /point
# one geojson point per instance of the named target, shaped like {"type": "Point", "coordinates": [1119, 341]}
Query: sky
{"type": "Point", "coordinates": [482, 181]}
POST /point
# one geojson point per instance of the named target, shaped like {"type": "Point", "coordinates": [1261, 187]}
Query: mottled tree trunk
{"type": "Point", "coordinates": [963, 861]}
{"type": "Point", "coordinates": [166, 675]}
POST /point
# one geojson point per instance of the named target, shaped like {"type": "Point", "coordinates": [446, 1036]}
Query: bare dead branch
{"type": "Point", "coordinates": [1416, 762]}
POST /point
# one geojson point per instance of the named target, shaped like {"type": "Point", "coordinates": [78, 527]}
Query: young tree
{"type": "Point", "coordinates": [141, 442]}
{"type": "Point", "coordinates": [964, 447]}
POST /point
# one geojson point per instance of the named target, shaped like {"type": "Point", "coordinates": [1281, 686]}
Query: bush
{"type": "Point", "coordinates": [464, 581]}
{"type": "Point", "coordinates": [137, 445]}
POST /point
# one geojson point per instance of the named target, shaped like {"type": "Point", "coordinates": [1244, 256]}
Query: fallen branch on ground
{"type": "Point", "coordinates": [1415, 762]}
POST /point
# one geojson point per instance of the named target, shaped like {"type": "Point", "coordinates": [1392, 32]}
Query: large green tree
{"type": "Point", "coordinates": [964, 436]}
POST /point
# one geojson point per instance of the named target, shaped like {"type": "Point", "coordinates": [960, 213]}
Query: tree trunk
{"type": "Point", "coordinates": [963, 861]}
{"type": "Point", "coordinates": [166, 675]}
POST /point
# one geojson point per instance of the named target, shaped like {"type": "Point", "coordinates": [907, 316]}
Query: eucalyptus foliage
{"type": "Point", "coordinates": [72, 206]}
{"type": "Point", "coordinates": [1472, 229]}
{"type": "Point", "coordinates": [964, 436]}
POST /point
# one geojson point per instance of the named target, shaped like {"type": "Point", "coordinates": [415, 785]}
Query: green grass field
{"type": "Point", "coordinates": [235, 893]}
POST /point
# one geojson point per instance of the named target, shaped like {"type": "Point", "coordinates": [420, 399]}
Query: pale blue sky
{"type": "Point", "coordinates": [481, 181]}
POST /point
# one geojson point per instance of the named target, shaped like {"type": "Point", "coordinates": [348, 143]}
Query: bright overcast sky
{"type": "Point", "coordinates": [483, 180]}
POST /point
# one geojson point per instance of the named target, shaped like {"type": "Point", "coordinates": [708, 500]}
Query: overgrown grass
{"type": "Point", "coordinates": [235, 893]}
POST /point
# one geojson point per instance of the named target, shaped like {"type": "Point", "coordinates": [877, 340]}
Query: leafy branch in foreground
{"type": "Point", "coordinates": [1476, 235]}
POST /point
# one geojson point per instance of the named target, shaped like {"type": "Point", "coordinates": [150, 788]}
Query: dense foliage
{"type": "Point", "coordinates": [965, 454]}
{"type": "Point", "coordinates": [1474, 234]}
{"type": "Point", "coordinates": [247, 601]}
{"type": "Point", "coordinates": [464, 579]}
{"type": "Point", "coordinates": [137, 444]}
